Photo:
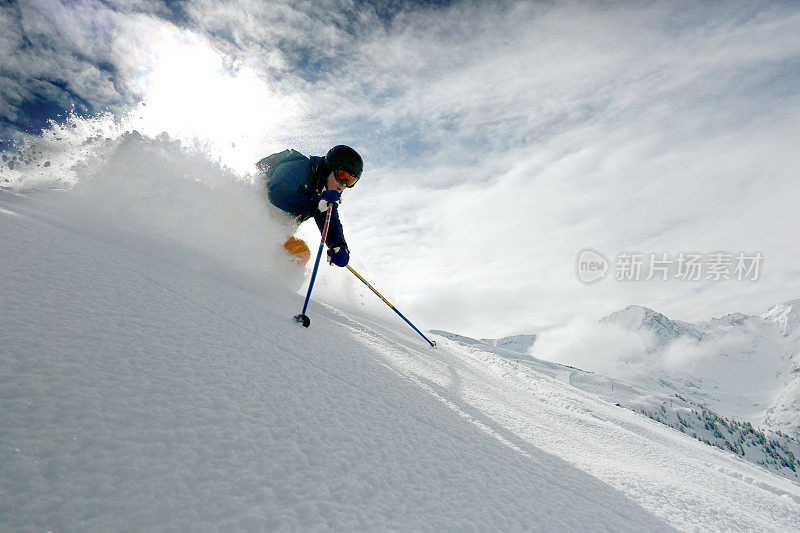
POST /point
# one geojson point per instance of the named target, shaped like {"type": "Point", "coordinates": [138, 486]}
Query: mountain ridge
{"type": "Point", "coordinates": [743, 376]}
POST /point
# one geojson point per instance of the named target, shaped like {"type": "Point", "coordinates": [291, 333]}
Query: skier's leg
{"type": "Point", "coordinates": [298, 249]}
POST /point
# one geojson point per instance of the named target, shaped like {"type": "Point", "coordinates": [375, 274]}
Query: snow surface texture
{"type": "Point", "coordinates": [151, 378]}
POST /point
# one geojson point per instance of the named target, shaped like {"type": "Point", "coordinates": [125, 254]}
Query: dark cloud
{"type": "Point", "coordinates": [57, 59]}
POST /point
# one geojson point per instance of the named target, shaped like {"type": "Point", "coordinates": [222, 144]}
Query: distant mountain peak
{"type": "Point", "coordinates": [786, 316]}
{"type": "Point", "coordinates": [639, 317]}
{"type": "Point", "coordinates": [731, 319]}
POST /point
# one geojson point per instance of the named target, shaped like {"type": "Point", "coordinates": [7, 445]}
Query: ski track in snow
{"type": "Point", "coordinates": [144, 390]}
{"type": "Point", "coordinates": [679, 479]}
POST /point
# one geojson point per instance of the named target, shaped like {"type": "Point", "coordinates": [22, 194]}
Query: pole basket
{"type": "Point", "coordinates": [302, 319]}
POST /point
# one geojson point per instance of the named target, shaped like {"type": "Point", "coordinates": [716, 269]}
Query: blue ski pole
{"type": "Point", "coordinates": [432, 343]}
{"type": "Point", "coordinates": [302, 318]}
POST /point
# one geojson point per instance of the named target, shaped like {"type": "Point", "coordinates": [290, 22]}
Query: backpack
{"type": "Point", "coordinates": [271, 162]}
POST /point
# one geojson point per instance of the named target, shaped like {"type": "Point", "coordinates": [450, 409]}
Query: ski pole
{"type": "Point", "coordinates": [302, 318]}
{"type": "Point", "coordinates": [432, 343]}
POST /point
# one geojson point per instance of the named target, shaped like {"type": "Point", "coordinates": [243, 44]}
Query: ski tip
{"type": "Point", "coordinates": [302, 319]}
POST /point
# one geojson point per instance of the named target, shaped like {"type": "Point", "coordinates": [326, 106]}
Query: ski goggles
{"type": "Point", "coordinates": [345, 178]}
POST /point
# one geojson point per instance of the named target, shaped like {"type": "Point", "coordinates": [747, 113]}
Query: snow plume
{"type": "Point", "coordinates": [52, 159]}
{"type": "Point", "coordinates": [156, 191]}
{"type": "Point", "coordinates": [177, 193]}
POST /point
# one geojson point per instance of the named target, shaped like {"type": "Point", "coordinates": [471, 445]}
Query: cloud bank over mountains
{"type": "Point", "coordinates": [744, 366]}
{"type": "Point", "coordinates": [500, 138]}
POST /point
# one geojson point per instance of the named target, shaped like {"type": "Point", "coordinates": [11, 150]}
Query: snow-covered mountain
{"type": "Point", "coordinates": [664, 330]}
{"type": "Point", "coordinates": [737, 372]}
{"type": "Point", "coordinates": [785, 410]}
{"type": "Point", "coordinates": [151, 378]}
{"type": "Point", "coordinates": [741, 366]}
{"type": "Point", "coordinates": [514, 343]}
{"type": "Point", "coordinates": [773, 450]}
{"type": "Point", "coordinates": [785, 316]}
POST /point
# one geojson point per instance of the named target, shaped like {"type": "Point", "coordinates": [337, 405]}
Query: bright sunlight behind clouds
{"type": "Point", "coordinates": [189, 92]}
{"type": "Point", "coordinates": [500, 138]}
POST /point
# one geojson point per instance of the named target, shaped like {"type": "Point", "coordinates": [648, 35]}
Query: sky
{"type": "Point", "coordinates": [500, 139]}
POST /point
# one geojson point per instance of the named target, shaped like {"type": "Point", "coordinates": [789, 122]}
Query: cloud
{"type": "Point", "coordinates": [728, 356]}
{"type": "Point", "coordinates": [596, 347]}
{"type": "Point", "coordinates": [64, 57]}
{"type": "Point", "coordinates": [597, 128]}
{"type": "Point", "coordinates": [518, 75]}
{"type": "Point", "coordinates": [500, 139]}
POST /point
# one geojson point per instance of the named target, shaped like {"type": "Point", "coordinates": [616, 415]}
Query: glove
{"type": "Point", "coordinates": [338, 256]}
{"type": "Point", "coordinates": [327, 197]}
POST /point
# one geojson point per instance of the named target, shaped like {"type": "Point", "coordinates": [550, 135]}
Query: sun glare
{"type": "Point", "coordinates": [191, 95]}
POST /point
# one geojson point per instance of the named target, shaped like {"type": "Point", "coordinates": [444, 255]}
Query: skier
{"type": "Point", "coordinates": [304, 186]}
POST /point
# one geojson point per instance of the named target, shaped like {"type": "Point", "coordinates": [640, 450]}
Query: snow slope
{"type": "Point", "coordinates": [509, 347]}
{"type": "Point", "coordinates": [741, 366]}
{"type": "Point", "coordinates": [515, 343]}
{"type": "Point", "coordinates": [151, 377]}
{"type": "Point", "coordinates": [656, 399]}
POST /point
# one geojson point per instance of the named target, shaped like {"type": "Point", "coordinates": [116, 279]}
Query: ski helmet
{"type": "Point", "coordinates": [346, 158]}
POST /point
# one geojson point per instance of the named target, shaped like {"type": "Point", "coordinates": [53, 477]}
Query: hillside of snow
{"type": "Point", "coordinates": [773, 450]}
{"type": "Point", "coordinates": [785, 316]}
{"type": "Point", "coordinates": [731, 382]}
{"type": "Point", "coordinates": [506, 346]}
{"type": "Point", "coordinates": [151, 377]}
{"type": "Point", "coordinates": [741, 366]}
